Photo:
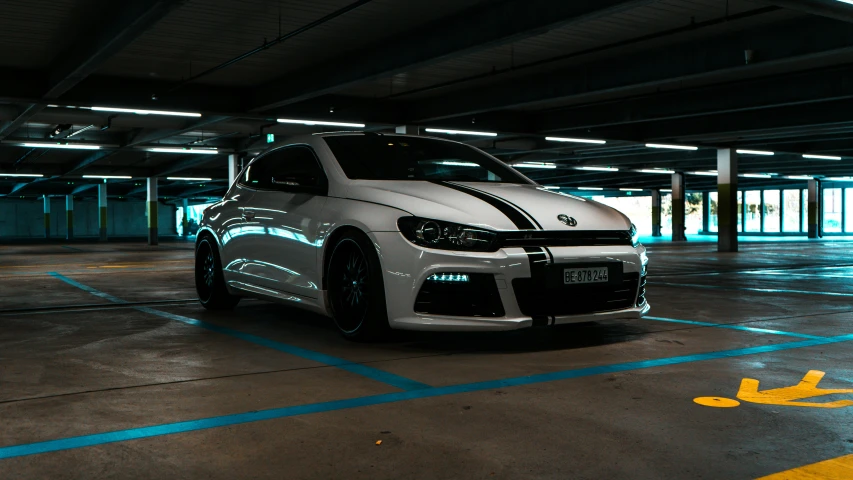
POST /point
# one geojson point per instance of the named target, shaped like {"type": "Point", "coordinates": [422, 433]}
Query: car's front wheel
{"type": "Point", "coordinates": [209, 282]}
{"type": "Point", "coordinates": [356, 290]}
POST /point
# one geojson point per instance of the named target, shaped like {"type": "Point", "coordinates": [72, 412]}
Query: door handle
{"type": "Point", "coordinates": [248, 215]}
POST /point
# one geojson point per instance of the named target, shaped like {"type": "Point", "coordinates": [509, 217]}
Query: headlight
{"type": "Point", "coordinates": [446, 236]}
{"type": "Point", "coordinates": [635, 237]}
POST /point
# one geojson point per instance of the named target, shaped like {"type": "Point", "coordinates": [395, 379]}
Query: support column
{"type": "Point", "coordinates": [678, 214]}
{"type": "Point", "coordinates": [706, 213]}
{"type": "Point", "coordinates": [69, 217]}
{"type": "Point", "coordinates": [408, 130]}
{"type": "Point", "coordinates": [233, 168]}
{"type": "Point", "coordinates": [656, 213]}
{"type": "Point", "coordinates": [46, 216]}
{"type": "Point", "coordinates": [152, 211]}
{"type": "Point", "coordinates": [727, 207]}
{"type": "Point", "coordinates": [814, 208]}
{"type": "Point", "coordinates": [186, 221]}
{"type": "Point", "coordinates": [102, 210]}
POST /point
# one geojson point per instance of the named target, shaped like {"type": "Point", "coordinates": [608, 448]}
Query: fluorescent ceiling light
{"type": "Point", "coordinates": [206, 151]}
{"type": "Point", "coordinates": [190, 179]}
{"type": "Point", "coordinates": [666, 190]}
{"type": "Point", "coordinates": [460, 164]}
{"type": "Point", "coordinates": [107, 176]}
{"type": "Point", "coordinates": [799, 177]}
{"type": "Point", "coordinates": [821, 157]}
{"type": "Point", "coordinates": [673, 147]}
{"type": "Point", "coordinates": [69, 146]}
{"type": "Point", "coordinates": [840, 179]}
{"type": "Point", "coordinates": [631, 189]}
{"type": "Point", "coordinates": [460, 132]}
{"type": "Point", "coordinates": [551, 187]}
{"type": "Point", "coordinates": [590, 188]}
{"type": "Point", "coordinates": [656, 170]}
{"type": "Point", "coordinates": [317, 122]}
{"type": "Point", "coordinates": [575, 140]}
{"type": "Point", "coordinates": [599, 169]}
{"type": "Point", "coordinates": [145, 112]}
{"type": "Point", "coordinates": [34, 175]}
{"type": "Point", "coordinates": [755, 152]}
{"type": "Point", "coordinates": [708, 173]}
{"type": "Point", "coordinates": [756, 175]}
{"type": "Point", "coordinates": [534, 165]}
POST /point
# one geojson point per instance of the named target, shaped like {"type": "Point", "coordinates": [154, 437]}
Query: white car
{"type": "Point", "coordinates": [418, 233]}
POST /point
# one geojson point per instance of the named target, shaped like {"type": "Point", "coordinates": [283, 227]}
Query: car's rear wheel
{"type": "Point", "coordinates": [356, 290]}
{"type": "Point", "coordinates": [209, 282]}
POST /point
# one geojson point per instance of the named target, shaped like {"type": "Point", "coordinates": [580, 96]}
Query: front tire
{"type": "Point", "coordinates": [356, 290]}
{"type": "Point", "coordinates": [209, 282]}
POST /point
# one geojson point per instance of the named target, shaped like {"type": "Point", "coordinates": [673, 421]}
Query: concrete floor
{"type": "Point", "coordinates": [110, 369]}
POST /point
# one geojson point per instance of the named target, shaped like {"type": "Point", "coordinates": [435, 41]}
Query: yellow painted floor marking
{"type": "Point", "coordinates": [840, 468]}
{"type": "Point", "coordinates": [786, 396]}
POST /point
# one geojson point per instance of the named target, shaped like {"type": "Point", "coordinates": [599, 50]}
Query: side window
{"type": "Point", "coordinates": [290, 169]}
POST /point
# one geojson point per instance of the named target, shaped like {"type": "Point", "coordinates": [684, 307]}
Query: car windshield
{"type": "Point", "coordinates": [381, 157]}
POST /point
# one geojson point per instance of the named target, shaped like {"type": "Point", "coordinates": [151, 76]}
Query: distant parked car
{"type": "Point", "coordinates": [417, 233]}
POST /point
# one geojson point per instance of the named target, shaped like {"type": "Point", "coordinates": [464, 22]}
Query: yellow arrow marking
{"type": "Point", "coordinates": [840, 468]}
{"type": "Point", "coordinates": [786, 396]}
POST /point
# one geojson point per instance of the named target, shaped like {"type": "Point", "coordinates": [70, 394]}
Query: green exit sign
{"type": "Point", "coordinates": [270, 137]}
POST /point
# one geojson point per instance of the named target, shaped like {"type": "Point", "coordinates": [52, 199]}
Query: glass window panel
{"type": "Point", "coordinates": [805, 210]}
{"type": "Point", "coordinates": [713, 216]}
{"type": "Point", "coordinates": [848, 210]}
{"type": "Point", "coordinates": [693, 213]}
{"type": "Point", "coordinates": [739, 211]}
{"type": "Point", "coordinates": [791, 222]}
{"type": "Point", "coordinates": [666, 213]}
{"type": "Point", "coordinates": [772, 214]}
{"type": "Point", "coordinates": [753, 210]}
{"type": "Point", "coordinates": [832, 210]}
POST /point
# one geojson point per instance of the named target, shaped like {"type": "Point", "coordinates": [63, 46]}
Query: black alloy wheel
{"type": "Point", "coordinates": [209, 283]}
{"type": "Point", "coordinates": [356, 290]}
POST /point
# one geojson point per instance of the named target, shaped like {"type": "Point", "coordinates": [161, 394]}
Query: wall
{"type": "Point", "coordinates": [25, 218]}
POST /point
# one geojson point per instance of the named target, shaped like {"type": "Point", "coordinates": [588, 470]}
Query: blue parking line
{"type": "Point", "coordinates": [752, 289]}
{"type": "Point", "coordinates": [275, 413]}
{"type": "Point", "coordinates": [733, 327]}
{"type": "Point", "coordinates": [388, 378]}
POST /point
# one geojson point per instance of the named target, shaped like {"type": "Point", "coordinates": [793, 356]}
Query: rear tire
{"type": "Point", "coordinates": [356, 290]}
{"type": "Point", "coordinates": [209, 282]}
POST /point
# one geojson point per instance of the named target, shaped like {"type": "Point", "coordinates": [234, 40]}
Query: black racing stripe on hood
{"type": "Point", "coordinates": [516, 217]}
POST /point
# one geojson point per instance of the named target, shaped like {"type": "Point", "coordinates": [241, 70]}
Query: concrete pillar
{"type": "Point", "coordinates": [102, 211]}
{"type": "Point", "coordinates": [656, 213]}
{"type": "Point", "coordinates": [46, 216]}
{"type": "Point", "coordinates": [69, 217]}
{"type": "Point", "coordinates": [233, 168]}
{"type": "Point", "coordinates": [185, 222]}
{"type": "Point", "coordinates": [152, 211]}
{"type": "Point", "coordinates": [678, 214]}
{"type": "Point", "coordinates": [814, 209]}
{"type": "Point", "coordinates": [727, 207]}
{"type": "Point", "coordinates": [408, 130]}
{"type": "Point", "coordinates": [706, 213]}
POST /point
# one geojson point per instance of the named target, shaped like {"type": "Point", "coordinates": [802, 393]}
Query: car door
{"type": "Point", "coordinates": [288, 210]}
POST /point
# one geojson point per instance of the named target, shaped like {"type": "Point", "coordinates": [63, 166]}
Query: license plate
{"type": "Point", "coordinates": [574, 276]}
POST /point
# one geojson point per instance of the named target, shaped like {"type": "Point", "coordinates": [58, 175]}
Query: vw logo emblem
{"type": "Point", "coordinates": [567, 220]}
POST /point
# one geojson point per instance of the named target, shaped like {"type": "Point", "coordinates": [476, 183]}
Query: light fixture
{"type": "Point", "coordinates": [124, 177]}
{"type": "Point", "coordinates": [839, 179]}
{"type": "Point", "coordinates": [534, 165]}
{"type": "Point", "coordinates": [590, 188]}
{"type": "Point", "coordinates": [318, 122]}
{"type": "Point", "coordinates": [821, 157]}
{"type": "Point", "coordinates": [671, 147]}
{"type": "Point", "coordinates": [68, 146]}
{"type": "Point", "coordinates": [551, 187]}
{"type": "Point", "coordinates": [575, 140]}
{"type": "Point", "coordinates": [656, 170]}
{"type": "Point", "coordinates": [631, 189]}
{"type": "Point", "coordinates": [709, 173]}
{"type": "Point", "coordinates": [599, 169]}
{"type": "Point", "coordinates": [668, 190]}
{"type": "Point", "coordinates": [202, 151]}
{"type": "Point", "coordinates": [34, 175]}
{"type": "Point", "coordinates": [78, 132]}
{"type": "Point", "coordinates": [460, 164]}
{"type": "Point", "coordinates": [799, 177]}
{"type": "Point", "coordinates": [756, 175]}
{"type": "Point", "coordinates": [145, 112]}
{"type": "Point", "coordinates": [461, 132]}
{"type": "Point", "coordinates": [190, 179]}
{"type": "Point", "coordinates": [755, 152]}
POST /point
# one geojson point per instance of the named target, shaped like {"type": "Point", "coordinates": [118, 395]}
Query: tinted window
{"type": "Point", "coordinates": [378, 157]}
{"type": "Point", "coordinates": [289, 167]}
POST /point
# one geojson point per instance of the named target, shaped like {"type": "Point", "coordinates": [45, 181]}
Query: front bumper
{"type": "Point", "coordinates": [407, 266]}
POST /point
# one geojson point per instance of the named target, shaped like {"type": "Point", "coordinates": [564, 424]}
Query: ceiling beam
{"type": "Point", "coordinates": [473, 29]}
{"type": "Point", "coordinates": [185, 163]}
{"type": "Point", "coordinates": [118, 25]}
{"type": "Point", "coordinates": [824, 8]}
{"type": "Point", "coordinates": [777, 47]}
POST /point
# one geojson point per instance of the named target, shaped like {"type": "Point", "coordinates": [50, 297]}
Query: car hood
{"type": "Point", "coordinates": [497, 206]}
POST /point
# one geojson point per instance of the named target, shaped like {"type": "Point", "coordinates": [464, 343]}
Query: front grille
{"type": "Point", "coordinates": [478, 297]}
{"type": "Point", "coordinates": [534, 300]}
{"type": "Point", "coordinates": [529, 238]}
